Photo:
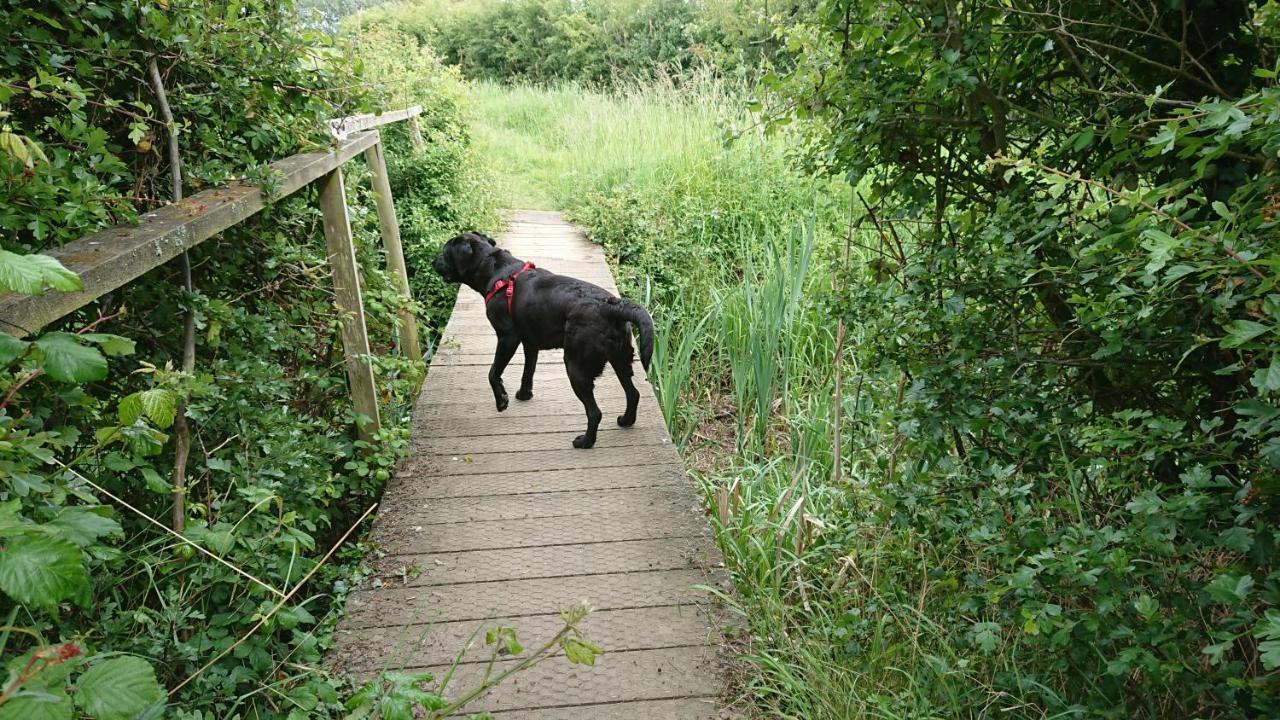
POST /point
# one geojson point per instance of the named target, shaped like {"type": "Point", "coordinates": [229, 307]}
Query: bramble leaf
{"type": "Point", "coordinates": [66, 360]}
{"type": "Point", "coordinates": [11, 348]}
{"type": "Point", "coordinates": [112, 345]}
{"type": "Point", "coordinates": [31, 274]}
{"type": "Point", "coordinates": [39, 570]}
{"type": "Point", "coordinates": [118, 689]}
{"type": "Point", "coordinates": [84, 525]}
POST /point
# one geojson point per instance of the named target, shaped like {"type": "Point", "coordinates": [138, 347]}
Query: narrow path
{"type": "Point", "coordinates": [497, 519]}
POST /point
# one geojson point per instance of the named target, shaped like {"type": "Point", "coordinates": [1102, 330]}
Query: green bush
{"type": "Point", "coordinates": [593, 42]}
{"type": "Point", "coordinates": [1066, 326]}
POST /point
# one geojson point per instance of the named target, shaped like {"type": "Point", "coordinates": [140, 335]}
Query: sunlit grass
{"type": "Point", "coordinates": [547, 143]}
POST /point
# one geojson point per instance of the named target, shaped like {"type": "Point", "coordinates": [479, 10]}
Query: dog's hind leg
{"type": "Point", "coordinates": [506, 349]}
{"type": "Point", "coordinates": [583, 381]}
{"type": "Point", "coordinates": [526, 380]}
{"type": "Point", "coordinates": [621, 362]}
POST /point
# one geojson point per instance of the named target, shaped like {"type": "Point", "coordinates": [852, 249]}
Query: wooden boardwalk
{"type": "Point", "coordinates": [497, 519]}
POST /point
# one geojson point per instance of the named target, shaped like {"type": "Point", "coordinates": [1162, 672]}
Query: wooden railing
{"type": "Point", "coordinates": [111, 258]}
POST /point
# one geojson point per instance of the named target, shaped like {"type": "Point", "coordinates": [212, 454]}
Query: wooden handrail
{"type": "Point", "coordinates": [341, 127]}
{"type": "Point", "coordinates": [113, 257]}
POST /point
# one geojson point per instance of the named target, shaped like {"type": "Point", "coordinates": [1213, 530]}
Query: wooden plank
{"type": "Point", "coordinates": [389, 226]}
{"type": "Point", "coordinates": [346, 285]}
{"type": "Point", "coordinates": [111, 258]}
{"type": "Point", "coordinates": [342, 127]}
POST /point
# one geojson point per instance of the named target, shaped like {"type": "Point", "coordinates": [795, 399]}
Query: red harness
{"type": "Point", "coordinates": [508, 284]}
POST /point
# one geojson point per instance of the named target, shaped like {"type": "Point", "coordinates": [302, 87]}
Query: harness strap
{"type": "Point", "coordinates": [509, 285]}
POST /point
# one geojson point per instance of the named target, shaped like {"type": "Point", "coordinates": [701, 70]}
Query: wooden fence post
{"type": "Point", "coordinates": [415, 134]}
{"type": "Point", "coordinates": [390, 228]}
{"type": "Point", "coordinates": [346, 285]}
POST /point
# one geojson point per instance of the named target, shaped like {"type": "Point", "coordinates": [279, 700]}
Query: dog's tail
{"type": "Point", "coordinates": [625, 310]}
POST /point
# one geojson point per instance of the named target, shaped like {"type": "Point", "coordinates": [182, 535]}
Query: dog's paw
{"type": "Point", "coordinates": [582, 442]}
{"type": "Point", "coordinates": [626, 420]}
{"type": "Point", "coordinates": [523, 394]}
{"type": "Point", "coordinates": [502, 402]}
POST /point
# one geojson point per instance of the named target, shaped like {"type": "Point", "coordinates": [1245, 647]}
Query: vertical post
{"type": "Point", "coordinates": [390, 228]}
{"type": "Point", "coordinates": [346, 285]}
{"type": "Point", "coordinates": [415, 133]}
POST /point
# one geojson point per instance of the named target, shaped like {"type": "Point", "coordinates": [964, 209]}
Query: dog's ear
{"type": "Point", "coordinates": [491, 240]}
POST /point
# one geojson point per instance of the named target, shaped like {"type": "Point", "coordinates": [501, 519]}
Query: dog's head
{"type": "Point", "coordinates": [464, 255]}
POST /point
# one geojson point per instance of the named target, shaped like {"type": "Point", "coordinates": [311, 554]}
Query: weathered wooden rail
{"type": "Point", "coordinates": [112, 258]}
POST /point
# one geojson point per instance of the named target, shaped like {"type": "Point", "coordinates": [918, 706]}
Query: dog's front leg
{"type": "Point", "coordinates": [526, 380]}
{"type": "Point", "coordinates": [506, 349]}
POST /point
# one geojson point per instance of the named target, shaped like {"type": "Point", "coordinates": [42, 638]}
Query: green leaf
{"type": "Point", "coordinates": [160, 405]}
{"type": "Point", "coordinates": [155, 483]}
{"type": "Point", "coordinates": [157, 404]}
{"type": "Point", "coordinates": [1267, 378]}
{"type": "Point", "coordinates": [84, 525]}
{"type": "Point", "coordinates": [1146, 606]}
{"type": "Point", "coordinates": [66, 360]}
{"type": "Point", "coordinates": [986, 635]}
{"type": "Point", "coordinates": [1236, 539]}
{"type": "Point", "coordinates": [40, 570]}
{"type": "Point", "coordinates": [581, 652]}
{"type": "Point", "coordinates": [1216, 651]}
{"type": "Point", "coordinates": [1268, 630]}
{"type": "Point", "coordinates": [51, 704]}
{"type": "Point", "coordinates": [112, 345]}
{"type": "Point", "coordinates": [30, 274]}
{"type": "Point", "coordinates": [118, 689]}
{"type": "Point", "coordinates": [510, 644]}
{"type": "Point", "coordinates": [1221, 208]}
{"type": "Point", "coordinates": [1229, 589]}
{"type": "Point", "coordinates": [1242, 331]}
{"type": "Point", "coordinates": [11, 348]}
{"type": "Point", "coordinates": [24, 483]}
{"type": "Point", "coordinates": [130, 409]}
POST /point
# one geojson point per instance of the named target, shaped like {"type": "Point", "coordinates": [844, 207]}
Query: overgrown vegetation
{"type": "Point", "coordinates": [967, 312]}
{"type": "Point", "coordinates": [105, 612]}
{"type": "Point", "coordinates": [589, 41]}
{"type": "Point", "coordinates": [992, 432]}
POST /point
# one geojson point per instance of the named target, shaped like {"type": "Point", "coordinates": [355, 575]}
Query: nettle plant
{"type": "Point", "coordinates": [53, 524]}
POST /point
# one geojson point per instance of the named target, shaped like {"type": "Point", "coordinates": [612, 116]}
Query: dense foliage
{"type": "Point", "coordinates": [592, 41]}
{"type": "Point", "coordinates": [96, 598]}
{"type": "Point", "coordinates": [1069, 308]}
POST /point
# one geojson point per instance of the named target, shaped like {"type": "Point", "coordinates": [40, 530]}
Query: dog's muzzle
{"type": "Point", "coordinates": [442, 269]}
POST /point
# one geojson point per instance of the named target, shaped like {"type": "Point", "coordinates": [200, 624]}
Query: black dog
{"type": "Point", "coordinates": [542, 310]}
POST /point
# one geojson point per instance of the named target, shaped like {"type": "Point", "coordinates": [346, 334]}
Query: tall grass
{"type": "Point", "coordinates": [550, 143]}
{"type": "Point", "coordinates": [734, 250]}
